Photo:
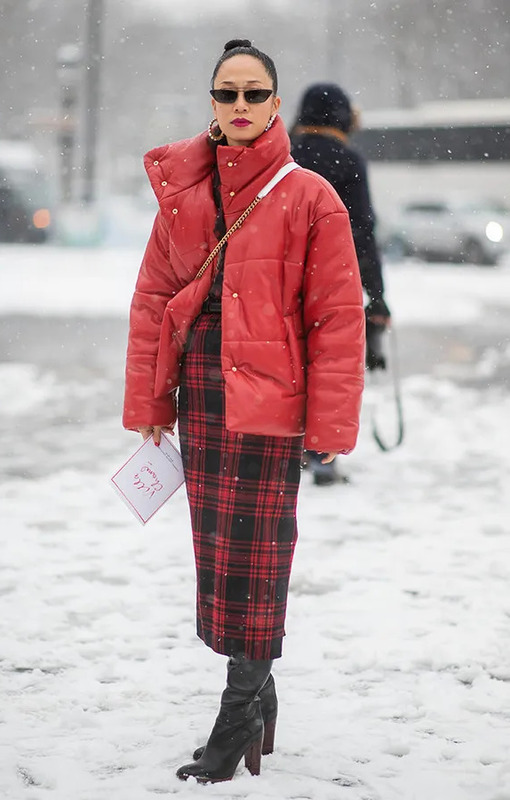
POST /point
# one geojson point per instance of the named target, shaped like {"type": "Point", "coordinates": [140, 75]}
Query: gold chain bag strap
{"type": "Point", "coordinates": [237, 224]}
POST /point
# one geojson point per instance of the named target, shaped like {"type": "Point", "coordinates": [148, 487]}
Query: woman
{"type": "Point", "coordinates": [265, 348]}
{"type": "Point", "coordinates": [320, 142]}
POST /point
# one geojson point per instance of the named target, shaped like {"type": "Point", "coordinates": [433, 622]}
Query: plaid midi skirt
{"type": "Point", "coordinates": [242, 491]}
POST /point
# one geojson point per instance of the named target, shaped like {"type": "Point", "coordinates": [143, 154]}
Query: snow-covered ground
{"type": "Point", "coordinates": [395, 680]}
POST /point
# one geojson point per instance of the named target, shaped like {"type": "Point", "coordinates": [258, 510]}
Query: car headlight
{"type": "Point", "coordinates": [41, 218]}
{"type": "Point", "coordinates": [494, 231]}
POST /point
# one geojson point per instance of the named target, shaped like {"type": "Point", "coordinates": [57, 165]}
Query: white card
{"type": "Point", "coordinates": [149, 478]}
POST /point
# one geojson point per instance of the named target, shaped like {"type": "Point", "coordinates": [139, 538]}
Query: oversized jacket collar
{"type": "Point", "coordinates": [178, 167]}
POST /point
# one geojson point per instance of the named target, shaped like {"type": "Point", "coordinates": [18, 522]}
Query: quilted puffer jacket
{"type": "Point", "coordinates": [293, 326]}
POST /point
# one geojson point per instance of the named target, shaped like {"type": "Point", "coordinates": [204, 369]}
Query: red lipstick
{"type": "Point", "coordinates": [240, 122]}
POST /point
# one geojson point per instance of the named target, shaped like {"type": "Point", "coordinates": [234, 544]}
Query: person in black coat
{"type": "Point", "coordinates": [320, 142]}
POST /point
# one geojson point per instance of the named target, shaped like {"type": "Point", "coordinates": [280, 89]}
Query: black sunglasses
{"type": "Point", "coordinates": [229, 96]}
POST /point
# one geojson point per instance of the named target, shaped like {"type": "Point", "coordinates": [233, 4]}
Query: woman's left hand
{"type": "Point", "coordinates": [155, 430]}
{"type": "Point", "coordinates": [329, 457]}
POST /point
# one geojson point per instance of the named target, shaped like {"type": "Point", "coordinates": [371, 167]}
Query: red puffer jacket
{"type": "Point", "coordinates": [293, 327]}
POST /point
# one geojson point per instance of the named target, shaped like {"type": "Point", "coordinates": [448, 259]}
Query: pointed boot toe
{"type": "Point", "coordinates": [236, 733]}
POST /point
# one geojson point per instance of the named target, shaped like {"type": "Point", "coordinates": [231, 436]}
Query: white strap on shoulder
{"type": "Point", "coordinates": [277, 178]}
{"type": "Point", "coordinates": [263, 192]}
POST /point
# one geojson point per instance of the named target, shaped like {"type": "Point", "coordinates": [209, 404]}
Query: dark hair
{"type": "Point", "coordinates": [243, 47]}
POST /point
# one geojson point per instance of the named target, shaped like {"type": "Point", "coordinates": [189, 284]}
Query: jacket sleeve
{"type": "Point", "coordinates": [335, 334]}
{"type": "Point", "coordinates": [156, 284]}
{"type": "Point", "coordinates": [356, 197]}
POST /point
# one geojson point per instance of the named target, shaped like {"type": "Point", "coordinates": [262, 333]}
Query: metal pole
{"type": "Point", "coordinates": [93, 56]}
{"type": "Point", "coordinates": [68, 61]}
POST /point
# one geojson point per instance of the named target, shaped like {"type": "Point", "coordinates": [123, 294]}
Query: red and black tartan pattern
{"type": "Point", "coordinates": [242, 492]}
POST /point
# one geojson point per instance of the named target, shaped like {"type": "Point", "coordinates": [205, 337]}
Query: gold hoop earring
{"type": "Point", "coordinates": [271, 120]}
{"type": "Point", "coordinates": [215, 136]}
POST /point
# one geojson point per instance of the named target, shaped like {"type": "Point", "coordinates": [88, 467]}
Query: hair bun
{"type": "Point", "coordinates": [233, 43]}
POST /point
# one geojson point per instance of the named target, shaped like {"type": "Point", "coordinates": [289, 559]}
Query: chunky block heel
{"type": "Point", "coordinates": [253, 757]}
{"type": "Point", "coordinates": [268, 740]}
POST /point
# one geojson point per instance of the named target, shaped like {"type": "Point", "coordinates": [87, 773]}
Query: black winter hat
{"type": "Point", "coordinates": [325, 104]}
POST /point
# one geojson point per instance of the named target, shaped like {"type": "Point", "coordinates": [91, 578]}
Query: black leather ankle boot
{"type": "Point", "coordinates": [239, 728]}
{"type": "Point", "coordinates": [269, 711]}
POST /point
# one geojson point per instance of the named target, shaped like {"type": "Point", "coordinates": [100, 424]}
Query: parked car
{"type": "Point", "coordinates": [449, 229]}
{"type": "Point", "coordinates": [25, 198]}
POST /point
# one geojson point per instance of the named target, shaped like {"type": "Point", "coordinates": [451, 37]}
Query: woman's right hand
{"type": "Point", "coordinates": [155, 430]}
